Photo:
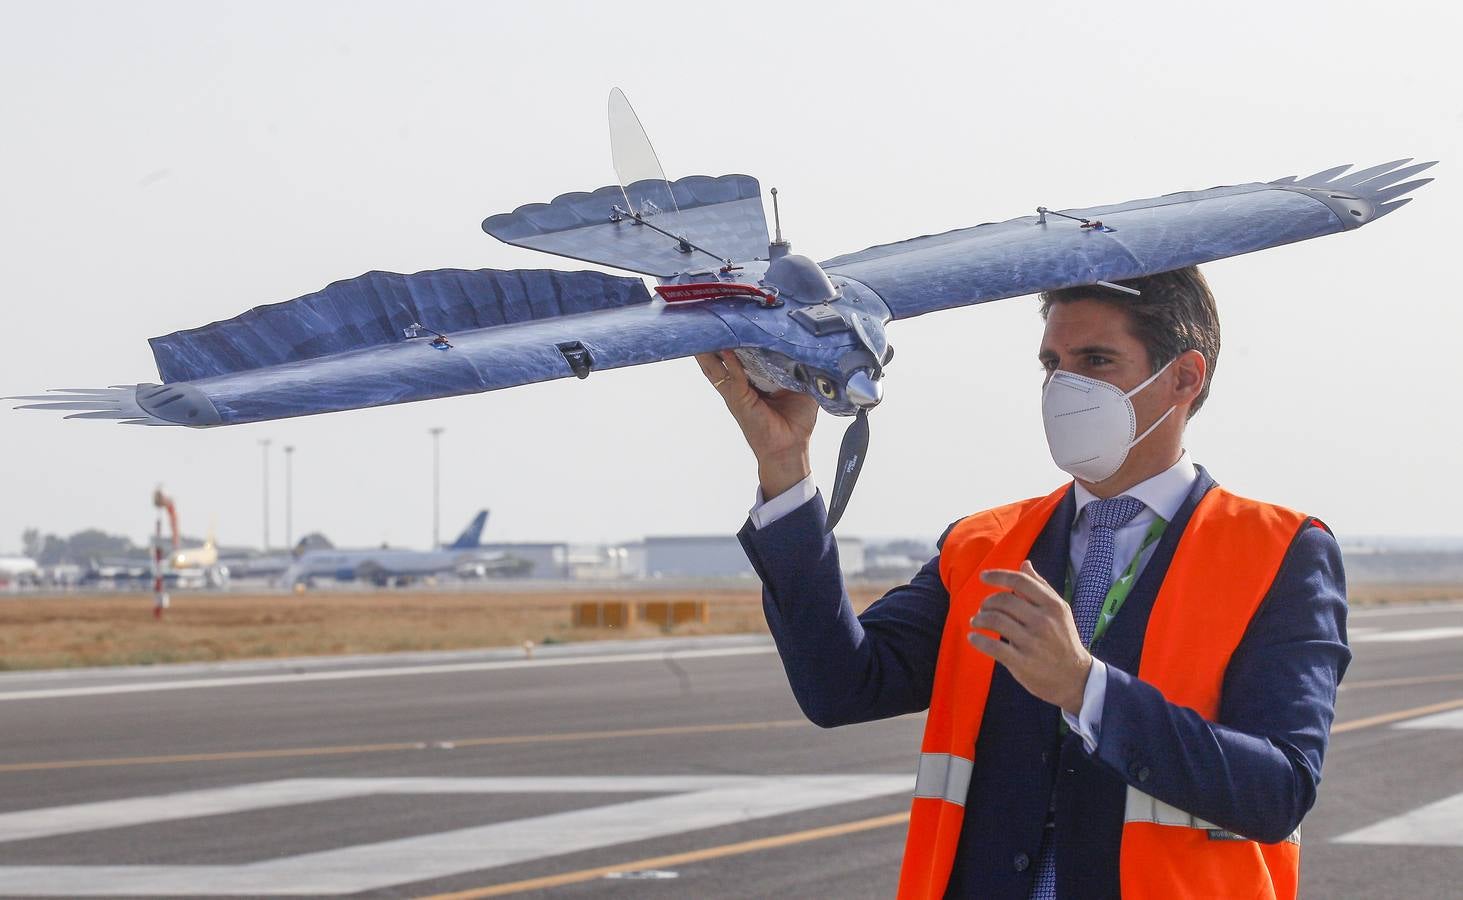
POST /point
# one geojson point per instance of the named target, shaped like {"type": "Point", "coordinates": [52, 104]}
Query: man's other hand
{"type": "Point", "coordinates": [1039, 644]}
{"type": "Point", "coordinates": [778, 427]}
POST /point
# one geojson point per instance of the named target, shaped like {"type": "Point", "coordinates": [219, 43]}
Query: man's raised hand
{"type": "Point", "coordinates": [778, 427]}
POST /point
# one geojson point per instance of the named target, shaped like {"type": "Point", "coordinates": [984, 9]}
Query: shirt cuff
{"type": "Point", "coordinates": [1088, 721]}
{"type": "Point", "coordinates": [765, 512]}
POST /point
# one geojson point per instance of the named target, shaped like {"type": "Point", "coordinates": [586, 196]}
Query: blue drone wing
{"type": "Point", "coordinates": [724, 215]}
{"type": "Point", "coordinates": [1108, 243]}
{"type": "Point", "coordinates": [385, 338]}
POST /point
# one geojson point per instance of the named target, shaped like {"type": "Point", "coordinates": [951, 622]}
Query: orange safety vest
{"type": "Point", "coordinates": [1191, 634]}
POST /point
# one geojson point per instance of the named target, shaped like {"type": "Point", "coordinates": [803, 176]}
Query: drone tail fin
{"type": "Point", "coordinates": [724, 215]}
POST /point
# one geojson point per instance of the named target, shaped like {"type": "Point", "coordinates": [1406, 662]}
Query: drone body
{"type": "Point", "coordinates": [796, 324]}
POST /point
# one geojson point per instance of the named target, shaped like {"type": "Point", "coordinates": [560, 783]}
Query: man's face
{"type": "Point", "coordinates": [1091, 337]}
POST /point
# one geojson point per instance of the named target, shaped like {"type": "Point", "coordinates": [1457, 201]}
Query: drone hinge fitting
{"type": "Point", "coordinates": [580, 360]}
{"type": "Point", "coordinates": [439, 340]}
{"type": "Point", "coordinates": [1042, 212]}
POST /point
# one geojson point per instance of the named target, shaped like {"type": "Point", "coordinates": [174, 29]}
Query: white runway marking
{"type": "Point", "coordinates": [692, 802]}
{"type": "Point", "coordinates": [1413, 609]}
{"type": "Point", "coordinates": [1446, 720]}
{"type": "Point", "coordinates": [1411, 634]}
{"type": "Point", "coordinates": [385, 672]}
{"type": "Point", "coordinates": [1438, 824]}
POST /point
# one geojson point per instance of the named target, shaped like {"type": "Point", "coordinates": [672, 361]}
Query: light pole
{"type": "Point", "coordinates": [436, 487]}
{"type": "Point", "coordinates": [289, 497]}
{"type": "Point", "coordinates": [264, 446]}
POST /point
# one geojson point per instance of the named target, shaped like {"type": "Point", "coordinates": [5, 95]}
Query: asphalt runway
{"type": "Point", "coordinates": [645, 769]}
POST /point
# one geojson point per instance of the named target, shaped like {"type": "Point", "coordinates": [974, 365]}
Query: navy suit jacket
{"type": "Point", "coordinates": [1254, 771]}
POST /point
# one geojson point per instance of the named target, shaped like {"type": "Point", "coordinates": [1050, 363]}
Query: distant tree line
{"type": "Point", "coordinates": [83, 546]}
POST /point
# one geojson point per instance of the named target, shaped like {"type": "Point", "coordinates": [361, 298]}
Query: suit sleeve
{"type": "Point", "coordinates": [844, 668]}
{"type": "Point", "coordinates": [1255, 771]}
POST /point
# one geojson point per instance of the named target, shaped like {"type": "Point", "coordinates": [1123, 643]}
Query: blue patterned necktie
{"type": "Point", "coordinates": [1094, 580]}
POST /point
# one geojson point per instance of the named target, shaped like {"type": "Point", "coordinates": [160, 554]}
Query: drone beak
{"type": "Point", "coordinates": [864, 391]}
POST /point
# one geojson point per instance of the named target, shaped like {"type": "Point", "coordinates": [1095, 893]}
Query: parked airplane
{"type": "Point", "coordinates": [18, 570]}
{"type": "Point", "coordinates": [190, 574]}
{"type": "Point", "coordinates": [205, 557]}
{"type": "Point", "coordinates": [389, 566]}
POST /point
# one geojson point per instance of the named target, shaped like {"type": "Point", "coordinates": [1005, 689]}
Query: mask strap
{"type": "Point", "coordinates": [1151, 378]}
{"type": "Point", "coordinates": [1139, 439]}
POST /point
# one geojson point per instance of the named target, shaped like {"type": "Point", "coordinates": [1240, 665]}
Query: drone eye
{"type": "Point", "coordinates": [827, 388]}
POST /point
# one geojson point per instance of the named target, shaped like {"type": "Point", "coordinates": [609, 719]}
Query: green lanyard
{"type": "Point", "coordinates": [1120, 588]}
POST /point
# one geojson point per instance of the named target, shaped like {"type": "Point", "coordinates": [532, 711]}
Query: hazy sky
{"type": "Point", "coordinates": [165, 165]}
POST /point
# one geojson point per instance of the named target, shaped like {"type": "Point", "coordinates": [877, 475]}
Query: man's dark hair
{"type": "Point", "coordinates": [1175, 312]}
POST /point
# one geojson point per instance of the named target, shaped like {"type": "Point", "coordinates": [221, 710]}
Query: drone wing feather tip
{"type": "Point", "coordinates": [1326, 175]}
{"type": "Point", "coordinates": [1361, 175]}
{"type": "Point", "coordinates": [1391, 177]}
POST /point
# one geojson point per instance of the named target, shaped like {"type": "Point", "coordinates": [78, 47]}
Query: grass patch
{"type": "Point", "coordinates": [118, 629]}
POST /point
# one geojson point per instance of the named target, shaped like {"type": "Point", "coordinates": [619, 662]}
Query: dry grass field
{"type": "Point", "coordinates": [118, 629]}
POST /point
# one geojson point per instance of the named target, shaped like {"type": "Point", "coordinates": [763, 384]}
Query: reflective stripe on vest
{"type": "Point", "coordinates": [942, 776]}
{"type": "Point", "coordinates": [1195, 625]}
{"type": "Point", "coordinates": [1139, 807]}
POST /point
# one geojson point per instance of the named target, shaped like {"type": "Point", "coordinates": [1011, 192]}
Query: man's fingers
{"type": "Point", "coordinates": [1025, 583]}
{"type": "Point", "coordinates": [1007, 626]}
{"type": "Point", "coordinates": [711, 365]}
{"type": "Point", "coordinates": [1018, 583]}
{"type": "Point", "coordinates": [715, 369]}
{"type": "Point", "coordinates": [1008, 605]}
{"type": "Point", "coordinates": [1001, 653]}
{"type": "Point", "coordinates": [733, 364]}
{"type": "Point", "coordinates": [725, 373]}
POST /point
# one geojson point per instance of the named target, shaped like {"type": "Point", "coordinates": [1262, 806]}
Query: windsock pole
{"type": "Point", "coordinates": [160, 596]}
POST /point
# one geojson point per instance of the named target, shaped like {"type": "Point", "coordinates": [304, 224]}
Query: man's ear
{"type": "Point", "coordinates": [1189, 370]}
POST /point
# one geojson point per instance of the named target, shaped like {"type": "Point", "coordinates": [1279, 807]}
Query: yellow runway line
{"type": "Point", "coordinates": [205, 757]}
{"type": "Point", "coordinates": [501, 740]}
{"type": "Point", "coordinates": [678, 859]}
{"type": "Point", "coordinates": [1399, 715]}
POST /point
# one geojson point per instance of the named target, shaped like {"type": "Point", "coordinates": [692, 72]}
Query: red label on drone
{"type": "Point", "coordinates": [685, 293]}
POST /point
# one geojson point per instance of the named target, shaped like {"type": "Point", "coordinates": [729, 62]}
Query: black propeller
{"type": "Point", "coordinates": [851, 455]}
{"type": "Point", "coordinates": [864, 389]}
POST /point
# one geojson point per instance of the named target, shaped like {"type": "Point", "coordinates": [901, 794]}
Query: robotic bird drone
{"type": "Point", "coordinates": [795, 324]}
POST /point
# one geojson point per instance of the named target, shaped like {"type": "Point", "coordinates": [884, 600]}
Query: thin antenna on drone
{"type": "Point", "coordinates": [1119, 287]}
{"type": "Point", "coordinates": [779, 247]}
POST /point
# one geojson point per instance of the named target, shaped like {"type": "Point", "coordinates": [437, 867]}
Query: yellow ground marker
{"type": "Point", "coordinates": [1399, 715]}
{"type": "Point", "coordinates": [679, 859]}
{"type": "Point", "coordinates": [497, 741]}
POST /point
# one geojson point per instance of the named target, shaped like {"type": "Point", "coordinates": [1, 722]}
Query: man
{"type": "Point", "coordinates": [1130, 682]}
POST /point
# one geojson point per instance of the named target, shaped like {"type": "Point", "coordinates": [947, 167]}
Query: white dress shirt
{"type": "Point", "coordinates": [1162, 495]}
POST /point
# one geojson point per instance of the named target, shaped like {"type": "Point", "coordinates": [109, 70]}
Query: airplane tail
{"type": "Point", "coordinates": [472, 535]}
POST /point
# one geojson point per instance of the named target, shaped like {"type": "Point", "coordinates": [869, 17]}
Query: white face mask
{"type": "Point", "coordinates": [1091, 425]}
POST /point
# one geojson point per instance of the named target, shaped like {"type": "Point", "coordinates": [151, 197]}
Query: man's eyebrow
{"type": "Point", "coordinates": [1096, 350]}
